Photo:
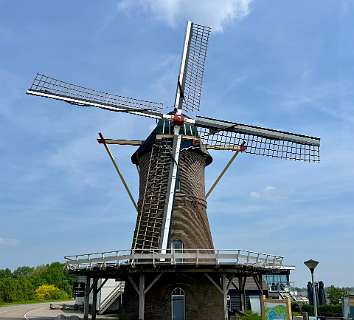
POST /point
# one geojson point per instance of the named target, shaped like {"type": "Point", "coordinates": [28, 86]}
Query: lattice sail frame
{"type": "Point", "coordinates": [79, 95]}
{"type": "Point", "coordinates": [287, 146]}
{"type": "Point", "coordinates": [193, 82]}
{"type": "Point", "coordinates": [147, 233]}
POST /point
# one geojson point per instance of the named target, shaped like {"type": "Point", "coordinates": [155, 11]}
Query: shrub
{"type": "Point", "coordinates": [295, 307]}
{"type": "Point", "coordinates": [250, 316]}
{"type": "Point", "coordinates": [308, 308]}
{"type": "Point", "coordinates": [49, 292]}
{"type": "Point", "coordinates": [328, 310]}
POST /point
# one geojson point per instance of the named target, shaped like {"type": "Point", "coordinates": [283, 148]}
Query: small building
{"type": "Point", "coordinates": [348, 307]}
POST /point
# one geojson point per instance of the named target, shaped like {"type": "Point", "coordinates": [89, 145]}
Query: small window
{"type": "Point", "coordinates": [178, 308]}
{"type": "Point", "coordinates": [177, 245]}
{"type": "Point", "coordinates": [177, 250]}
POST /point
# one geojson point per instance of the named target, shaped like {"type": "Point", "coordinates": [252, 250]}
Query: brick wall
{"type": "Point", "coordinates": [202, 300]}
{"type": "Point", "coordinates": [189, 218]}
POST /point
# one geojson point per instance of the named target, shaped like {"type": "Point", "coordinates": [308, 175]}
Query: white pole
{"type": "Point", "coordinates": [314, 294]}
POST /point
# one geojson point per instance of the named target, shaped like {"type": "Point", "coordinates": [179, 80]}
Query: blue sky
{"type": "Point", "coordinates": [280, 64]}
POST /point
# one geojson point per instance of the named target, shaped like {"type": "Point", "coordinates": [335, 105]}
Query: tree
{"type": "Point", "coordinates": [5, 273]}
{"type": "Point", "coordinates": [20, 285]}
{"type": "Point", "coordinates": [23, 271]}
{"type": "Point", "coordinates": [336, 294]}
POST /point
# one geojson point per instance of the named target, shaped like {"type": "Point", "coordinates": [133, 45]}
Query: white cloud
{"type": "Point", "coordinates": [269, 188]}
{"type": "Point", "coordinates": [268, 193]}
{"type": "Point", "coordinates": [216, 14]}
{"type": "Point", "coordinates": [255, 195]}
{"type": "Point", "coordinates": [8, 242]}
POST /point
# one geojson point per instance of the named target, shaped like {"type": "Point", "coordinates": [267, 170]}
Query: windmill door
{"type": "Point", "coordinates": [178, 304]}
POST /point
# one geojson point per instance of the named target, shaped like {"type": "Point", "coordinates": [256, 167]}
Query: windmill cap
{"type": "Point", "coordinates": [165, 127]}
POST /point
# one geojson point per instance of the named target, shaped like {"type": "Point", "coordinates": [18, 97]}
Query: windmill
{"type": "Point", "coordinates": [207, 132]}
{"type": "Point", "coordinates": [178, 147]}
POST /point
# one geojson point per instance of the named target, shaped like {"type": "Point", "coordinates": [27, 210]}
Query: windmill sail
{"type": "Point", "coordinates": [196, 52]}
{"type": "Point", "coordinates": [187, 99]}
{"type": "Point", "coordinates": [258, 141]}
{"type": "Point", "coordinates": [77, 95]}
{"type": "Point", "coordinates": [151, 208]}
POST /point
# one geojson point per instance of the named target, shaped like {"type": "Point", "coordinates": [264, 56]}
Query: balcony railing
{"type": "Point", "coordinates": [280, 286]}
{"type": "Point", "coordinates": [119, 258]}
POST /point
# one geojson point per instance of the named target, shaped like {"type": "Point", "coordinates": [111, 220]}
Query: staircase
{"type": "Point", "coordinates": [112, 297]}
{"type": "Point", "coordinates": [287, 294]}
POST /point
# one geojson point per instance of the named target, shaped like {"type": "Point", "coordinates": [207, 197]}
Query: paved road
{"type": "Point", "coordinates": [37, 311]}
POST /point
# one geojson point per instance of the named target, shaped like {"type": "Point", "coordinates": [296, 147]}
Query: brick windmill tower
{"type": "Point", "coordinates": [172, 200]}
{"type": "Point", "coordinates": [189, 227]}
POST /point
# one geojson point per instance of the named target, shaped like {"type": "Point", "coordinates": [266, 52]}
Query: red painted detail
{"type": "Point", "coordinates": [178, 119]}
{"type": "Point", "coordinates": [242, 148]}
{"type": "Point", "coordinates": [196, 142]}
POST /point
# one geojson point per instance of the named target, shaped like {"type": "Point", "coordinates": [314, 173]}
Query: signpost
{"type": "Point", "coordinates": [79, 289]}
{"type": "Point", "coordinates": [276, 309]}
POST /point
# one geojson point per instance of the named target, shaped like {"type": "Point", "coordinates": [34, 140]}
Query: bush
{"type": "Point", "coordinates": [250, 316]}
{"type": "Point", "coordinates": [295, 307]}
{"type": "Point", "coordinates": [308, 308]}
{"type": "Point", "coordinates": [328, 310]}
{"type": "Point", "coordinates": [49, 292]}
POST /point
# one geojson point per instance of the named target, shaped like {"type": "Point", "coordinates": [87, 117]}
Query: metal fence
{"type": "Point", "coordinates": [173, 257]}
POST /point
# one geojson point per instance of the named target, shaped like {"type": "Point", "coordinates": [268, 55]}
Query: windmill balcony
{"type": "Point", "coordinates": [157, 257]}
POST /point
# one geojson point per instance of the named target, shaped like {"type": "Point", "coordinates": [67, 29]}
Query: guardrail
{"type": "Point", "coordinates": [173, 257]}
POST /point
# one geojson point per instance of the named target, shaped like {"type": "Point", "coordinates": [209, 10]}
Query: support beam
{"type": "Point", "coordinates": [234, 285]}
{"type": "Point", "coordinates": [133, 284]}
{"type": "Point", "coordinates": [223, 148]}
{"type": "Point", "coordinates": [225, 285]}
{"type": "Point", "coordinates": [141, 296]}
{"type": "Point", "coordinates": [121, 142]}
{"type": "Point", "coordinates": [102, 284]}
{"type": "Point", "coordinates": [214, 283]}
{"type": "Point", "coordinates": [153, 282]}
{"type": "Point", "coordinates": [91, 287]}
{"type": "Point", "coordinates": [229, 284]}
{"type": "Point", "coordinates": [258, 282]}
{"type": "Point", "coordinates": [241, 284]}
{"type": "Point", "coordinates": [118, 171]}
{"type": "Point", "coordinates": [222, 173]}
{"type": "Point", "coordinates": [137, 143]}
{"type": "Point", "coordinates": [87, 298]}
{"type": "Point", "coordinates": [94, 299]}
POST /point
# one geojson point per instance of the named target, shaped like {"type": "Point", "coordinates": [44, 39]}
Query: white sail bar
{"type": "Point", "coordinates": [183, 67]}
{"type": "Point", "coordinates": [177, 138]}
